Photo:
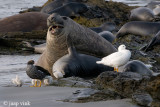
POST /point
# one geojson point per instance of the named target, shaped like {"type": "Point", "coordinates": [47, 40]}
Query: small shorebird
{"type": "Point", "coordinates": [17, 81]}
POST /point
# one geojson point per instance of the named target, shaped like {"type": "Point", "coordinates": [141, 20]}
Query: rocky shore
{"type": "Point", "coordinates": [143, 90]}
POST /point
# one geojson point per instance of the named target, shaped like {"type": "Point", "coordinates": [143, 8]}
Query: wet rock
{"type": "Point", "coordinates": [74, 82]}
{"type": "Point", "coordinates": [81, 95]}
{"type": "Point", "coordinates": [125, 83]}
{"type": "Point", "coordinates": [88, 95]}
{"type": "Point", "coordinates": [41, 34]}
{"type": "Point", "coordinates": [33, 9]}
{"type": "Point", "coordinates": [142, 99]}
{"type": "Point", "coordinates": [12, 42]}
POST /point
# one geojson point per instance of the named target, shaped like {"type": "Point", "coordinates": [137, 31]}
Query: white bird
{"type": "Point", "coordinates": [116, 59]}
{"type": "Point", "coordinates": [17, 81]}
{"type": "Point", "coordinates": [156, 10]}
{"type": "Point", "coordinates": [48, 80]}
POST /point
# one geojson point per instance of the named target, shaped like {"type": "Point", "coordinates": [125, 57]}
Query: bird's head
{"type": "Point", "coordinates": [31, 62]}
{"type": "Point", "coordinates": [121, 47]}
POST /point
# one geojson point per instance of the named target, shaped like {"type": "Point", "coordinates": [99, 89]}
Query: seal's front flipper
{"type": "Point", "coordinates": [27, 46]}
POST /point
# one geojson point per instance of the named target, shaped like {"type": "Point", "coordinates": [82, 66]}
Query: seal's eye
{"type": "Point", "coordinates": [65, 18]}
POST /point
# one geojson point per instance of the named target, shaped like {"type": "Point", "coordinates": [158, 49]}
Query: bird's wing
{"type": "Point", "coordinates": [42, 70]}
{"type": "Point", "coordinates": [113, 56]}
{"type": "Point", "coordinates": [120, 59]}
{"type": "Point", "coordinates": [13, 81]}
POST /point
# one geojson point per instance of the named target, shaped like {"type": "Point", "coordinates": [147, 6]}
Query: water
{"type": "Point", "coordinates": [135, 2]}
{"type": "Point", "coordinates": [12, 65]}
{"type": "Point", "coordinates": [11, 7]}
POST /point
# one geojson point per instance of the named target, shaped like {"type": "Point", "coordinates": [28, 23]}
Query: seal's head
{"type": "Point", "coordinates": [55, 23]}
{"type": "Point", "coordinates": [83, 8]}
{"type": "Point", "coordinates": [109, 26]}
{"type": "Point", "coordinates": [31, 62]}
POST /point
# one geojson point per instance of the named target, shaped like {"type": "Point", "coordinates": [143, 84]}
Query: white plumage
{"type": "Point", "coordinates": [156, 10]}
{"type": "Point", "coordinates": [17, 81]}
{"type": "Point", "coordinates": [116, 59]}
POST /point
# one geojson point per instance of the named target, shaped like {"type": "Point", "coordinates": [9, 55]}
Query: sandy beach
{"type": "Point", "coordinates": [49, 97]}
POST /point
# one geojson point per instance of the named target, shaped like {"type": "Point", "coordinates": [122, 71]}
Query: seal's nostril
{"type": "Point", "coordinates": [65, 18]}
{"type": "Point", "coordinates": [52, 18]}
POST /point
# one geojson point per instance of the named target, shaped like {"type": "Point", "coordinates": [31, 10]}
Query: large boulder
{"type": "Point", "coordinates": [125, 83]}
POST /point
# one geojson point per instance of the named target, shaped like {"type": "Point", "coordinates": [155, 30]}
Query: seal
{"type": "Point", "coordinates": [107, 35]}
{"type": "Point", "coordinates": [85, 41]}
{"type": "Point", "coordinates": [137, 67]}
{"type": "Point", "coordinates": [141, 28]}
{"type": "Point", "coordinates": [153, 4]}
{"type": "Point", "coordinates": [108, 26]}
{"type": "Point", "coordinates": [79, 65]}
{"type": "Point", "coordinates": [41, 48]}
{"type": "Point", "coordinates": [25, 22]}
{"type": "Point", "coordinates": [155, 41]}
{"type": "Point", "coordinates": [142, 14]}
{"type": "Point", "coordinates": [57, 3]}
{"type": "Point", "coordinates": [70, 9]}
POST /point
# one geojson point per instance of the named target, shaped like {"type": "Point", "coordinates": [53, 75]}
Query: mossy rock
{"type": "Point", "coordinates": [153, 88]}
{"type": "Point", "coordinates": [117, 12]}
{"type": "Point", "coordinates": [25, 35]}
{"type": "Point", "coordinates": [47, 3]}
{"type": "Point", "coordinates": [88, 22]}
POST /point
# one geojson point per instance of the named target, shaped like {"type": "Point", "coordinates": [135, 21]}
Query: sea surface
{"type": "Point", "coordinates": [11, 7]}
{"type": "Point", "coordinates": [135, 2]}
{"type": "Point", "coordinates": [12, 65]}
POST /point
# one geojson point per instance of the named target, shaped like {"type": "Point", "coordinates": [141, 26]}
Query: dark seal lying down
{"type": "Point", "coordinates": [81, 65]}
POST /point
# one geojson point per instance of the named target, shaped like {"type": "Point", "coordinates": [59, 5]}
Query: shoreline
{"type": "Point", "coordinates": [39, 97]}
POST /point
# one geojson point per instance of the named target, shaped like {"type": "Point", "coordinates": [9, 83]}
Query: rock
{"type": "Point", "coordinates": [33, 9]}
{"type": "Point", "coordinates": [12, 42]}
{"type": "Point", "coordinates": [39, 34]}
{"type": "Point", "coordinates": [153, 88]}
{"type": "Point", "coordinates": [88, 95]}
{"type": "Point", "coordinates": [74, 82]}
{"type": "Point", "coordinates": [80, 95]}
{"type": "Point", "coordinates": [155, 104]}
{"type": "Point", "coordinates": [142, 99]}
{"type": "Point", "coordinates": [124, 84]}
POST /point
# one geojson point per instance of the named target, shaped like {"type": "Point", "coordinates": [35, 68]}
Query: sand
{"type": "Point", "coordinates": [49, 97]}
